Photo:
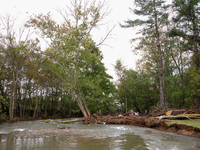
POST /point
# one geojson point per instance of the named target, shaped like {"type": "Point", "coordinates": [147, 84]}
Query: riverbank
{"type": "Point", "coordinates": [149, 122]}
{"type": "Point", "coordinates": [159, 124]}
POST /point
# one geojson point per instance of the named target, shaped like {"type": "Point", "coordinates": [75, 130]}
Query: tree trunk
{"type": "Point", "coordinates": [79, 101]}
{"type": "Point", "coordinates": [126, 101]}
{"type": "Point", "coordinates": [20, 103]}
{"type": "Point", "coordinates": [11, 108]}
{"type": "Point", "coordinates": [35, 111]}
{"type": "Point", "coordinates": [85, 104]}
{"type": "Point", "coordinates": [46, 102]}
{"type": "Point", "coordinates": [20, 110]}
{"type": "Point", "coordinates": [36, 105]}
{"type": "Point", "coordinates": [160, 59]}
{"type": "Point", "coordinates": [70, 106]}
{"type": "Point", "coordinates": [52, 102]}
{"type": "Point", "coordinates": [12, 98]}
{"type": "Point", "coordinates": [2, 93]}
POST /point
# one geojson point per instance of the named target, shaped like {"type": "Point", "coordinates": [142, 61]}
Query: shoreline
{"type": "Point", "coordinates": [133, 120]}
{"type": "Point", "coordinates": [144, 122]}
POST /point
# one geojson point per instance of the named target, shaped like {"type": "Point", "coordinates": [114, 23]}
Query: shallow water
{"type": "Point", "coordinates": [77, 136]}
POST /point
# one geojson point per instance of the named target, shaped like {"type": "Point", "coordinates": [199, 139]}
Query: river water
{"type": "Point", "coordinates": [33, 135]}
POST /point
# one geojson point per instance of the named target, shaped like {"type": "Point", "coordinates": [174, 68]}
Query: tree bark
{"type": "Point", "coordinates": [36, 105]}
{"type": "Point", "coordinates": [79, 101]}
{"type": "Point", "coordinates": [46, 102]}
{"type": "Point", "coordinates": [160, 59]}
{"type": "Point", "coordinates": [85, 104]}
{"type": "Point", "coordinates": [12, 98]}
{"type": "Point", "coordinates": [2, 93]}
{"type": "Point", "coordinates": [20, 103]}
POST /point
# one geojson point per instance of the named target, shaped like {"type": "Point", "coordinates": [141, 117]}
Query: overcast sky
{"type": "Point", "coordinates": [119, 45]}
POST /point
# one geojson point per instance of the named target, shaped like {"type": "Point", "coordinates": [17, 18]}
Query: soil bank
{"type": "Point", "coordinates": [143, 122]}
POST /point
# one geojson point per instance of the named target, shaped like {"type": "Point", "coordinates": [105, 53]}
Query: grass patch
{"type": "Point", "coordinates": [194, 123]}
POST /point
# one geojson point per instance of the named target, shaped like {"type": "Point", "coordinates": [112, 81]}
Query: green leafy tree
{"type": "Point", "coordinates": [136, 89]}
{"type": "Point", "coordinates": [15, 49]}
{"type": "Point", "coordinates": [120, 70]}
{"type": "Point", "coordinates": [187, 28]}
{"type": "Point", "coordinates": [178, 80]}
{"type": "Point", "coordinates": [72, 50]}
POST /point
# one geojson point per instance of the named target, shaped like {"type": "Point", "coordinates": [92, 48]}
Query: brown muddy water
{"type": "Point", "coordinates": [33, 135]}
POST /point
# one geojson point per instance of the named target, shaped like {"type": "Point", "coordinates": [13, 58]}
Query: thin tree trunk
{"type": "Point", "coordinates": [2, 92]}
{"type": "Point", "coordinates": [12, 99]}
{"type": "Point", "coordinates": [46, 103]}
{"type": "Point", "coordinates": [21, 110]}
{"type": "Point", "coordinates": [36, 105]}
{"type": "Point", "coordinates": [52, 102]}
{"type": "Point", "coordinates": [20, 101]}
{"type": "Point", "coordinates": [70, 106]}
{"type": "Point", "coordinates": [126, 101]}
{"type": "Point", "coordinates": [11, 108]}
{"type": "Point", "coordinates": [35, 111]}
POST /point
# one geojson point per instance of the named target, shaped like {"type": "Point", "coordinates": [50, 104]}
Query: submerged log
{"type": "Point", "coordinates": [46, 121]}
{"type": "Point", "coordinates": [65, 121]}
{"type": "Point", "coordinates": [68, 121]}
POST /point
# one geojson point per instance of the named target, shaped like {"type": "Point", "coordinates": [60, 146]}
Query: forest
{"type": "Point", "coordinates": [53, 69]}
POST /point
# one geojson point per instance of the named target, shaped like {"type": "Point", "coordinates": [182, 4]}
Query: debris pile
{"type": "Point", "coordinates": [177, 114]}
{"type": "Point", "coordinates": [151, 122]}
{"type": "Point", "coordinates": [125, 120]}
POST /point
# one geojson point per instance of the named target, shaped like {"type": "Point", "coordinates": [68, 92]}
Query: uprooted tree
{"type": "Point", "coordinates": [72, 54]}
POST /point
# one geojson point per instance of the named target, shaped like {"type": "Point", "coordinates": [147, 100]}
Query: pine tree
{"type": "Point", "coordinates": [155, 17]}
